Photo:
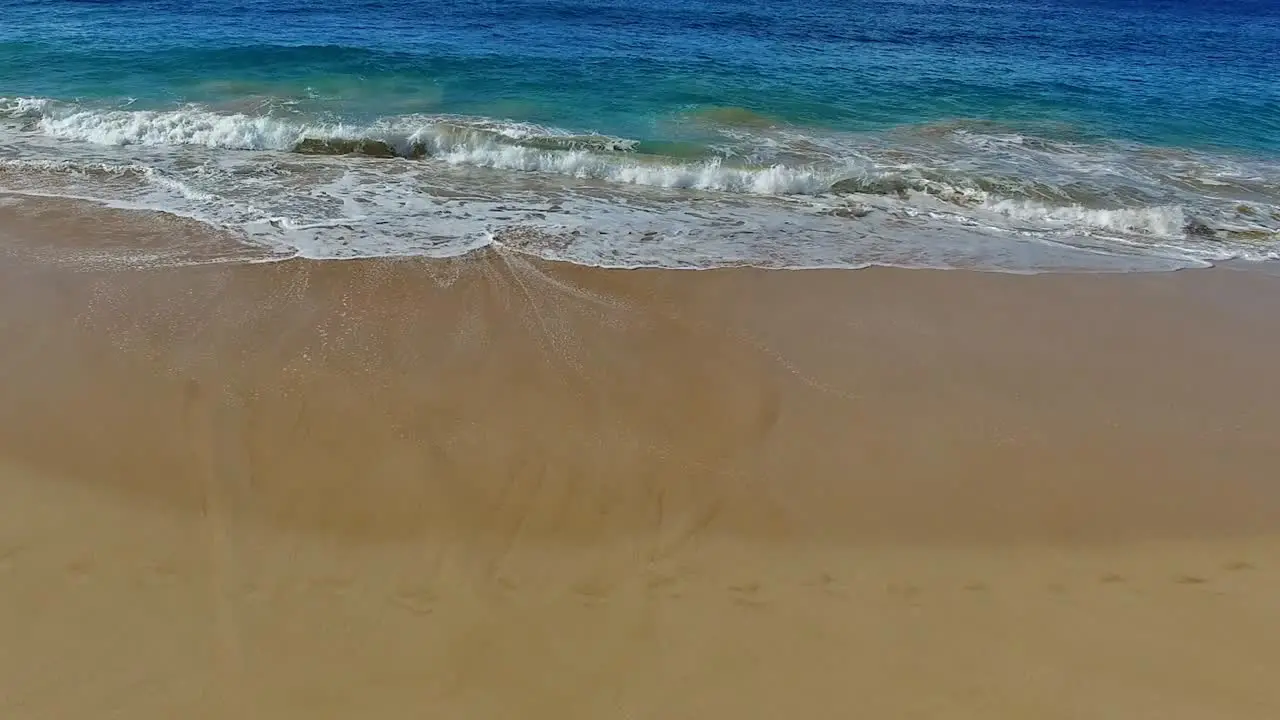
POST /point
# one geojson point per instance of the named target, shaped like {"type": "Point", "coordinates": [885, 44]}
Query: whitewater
{"type": "Point", "coordinates": [768, 195]}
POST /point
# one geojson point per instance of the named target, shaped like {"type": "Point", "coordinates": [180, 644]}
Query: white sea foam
{"type": "Point", "coordinates": [79, 167]}
{"type": "Point", "coordinates": [1164, 221]}
{"type": "Point", "coordinates": [837, 200]}
{"type": "Point", "coordinates": [183, 127]}
{"type": "Point", "coordinates": [712, 175]}
{"type": "Point", "coordinates": [23, 107]}
{"type": "Point", "coordinates": [501, 146]}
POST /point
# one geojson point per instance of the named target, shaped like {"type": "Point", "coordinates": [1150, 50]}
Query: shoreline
{"type": "Point", "coordinates": [240, 250]}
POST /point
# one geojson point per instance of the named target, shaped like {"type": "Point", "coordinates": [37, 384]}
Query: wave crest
{"type": "Point", "coordinates": [73, 167]}
{"type": "Point", "coordinates": [20, 108]}
{"type": "Point", "coordinates": [1167, 221]}
{"type": "Point", "coordinates": [1026, 190]}
{"type": "Point", "coordinates": [452, 140]}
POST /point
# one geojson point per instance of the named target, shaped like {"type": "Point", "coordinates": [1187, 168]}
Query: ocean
{"type": "Point", "coordinates": [1007, 135]}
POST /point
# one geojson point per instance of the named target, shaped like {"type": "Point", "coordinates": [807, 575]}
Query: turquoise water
{"type": "Point", "coordinates": [1087, 134]}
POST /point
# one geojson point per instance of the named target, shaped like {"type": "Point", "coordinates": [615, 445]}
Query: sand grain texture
{"type": "Point", "coordinates": [494, 487]}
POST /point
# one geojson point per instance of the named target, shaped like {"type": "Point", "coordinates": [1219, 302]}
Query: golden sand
{"type": "Point", "coordinates": [495, 487]}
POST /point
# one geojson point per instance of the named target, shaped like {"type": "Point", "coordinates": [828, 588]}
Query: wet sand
{"type": "Point", "coordinates": [494, 487]}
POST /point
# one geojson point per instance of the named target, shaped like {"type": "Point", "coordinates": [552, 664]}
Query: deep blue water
{"type": "Point", "coordinates": [1098, 125]}
{"type": "Point", "coordinates": [1176, 72]}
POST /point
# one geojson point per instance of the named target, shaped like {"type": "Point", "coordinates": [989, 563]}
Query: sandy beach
{"type": "Point", "coordinates": [496, 487]}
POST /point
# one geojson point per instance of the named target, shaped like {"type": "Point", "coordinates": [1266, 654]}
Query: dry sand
{"type": "Point", "coordinates": [500, 488]}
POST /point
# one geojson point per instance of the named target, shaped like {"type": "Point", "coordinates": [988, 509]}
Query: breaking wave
{"type": "Point", "coordinates": [917, 196]}
{"type": "Point", "coordinates": [23, 107]}
{"type": "Point", "coordinates": [76, 167]}
{"type": "Point", "coordinates": [456, 141]}
{"type": "Point", "coordinates": [1165, 222]}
